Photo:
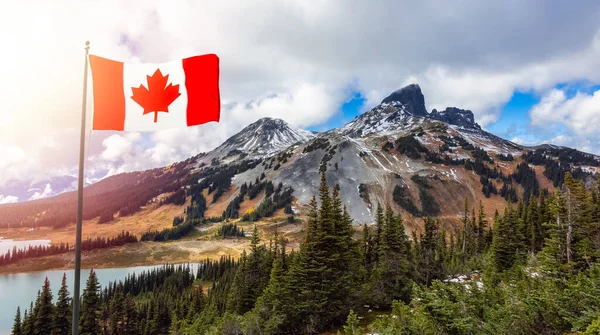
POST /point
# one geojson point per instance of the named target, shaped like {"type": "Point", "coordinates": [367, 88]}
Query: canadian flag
{"type": "Point", "coordinates": [148, 97]}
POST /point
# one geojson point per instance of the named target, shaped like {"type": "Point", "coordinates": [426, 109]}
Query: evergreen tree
{"type": "Point", "coordinates": [318, 289]}
{"type": "Point", "coordinates": [117, 312]}
{"type": "Point", "coordinates": [89, 320]}
{"type": "Point", "coordinates": [570, 244]}
{"type": "Point", "coordinates": [45, 311]}
{"type": "Point", "coordinates": [379, 223]}
{"type": "Point", "coordinates": [352, 326]}
{"type": "Point", "coordinates": [28, 321]}
{"type": "Point", "coordinates": [553, 254]}
{"type": "Point", "coordinates": [482, 226]}
{"type": "Point", "coordinates": [348, 270]}
{"type": "Point", "coordinates": [390, 280]}
{"type": "Point", "coordinates": [130, 325]}
{"type": "Point", "coordinates": [16, 329]}
{"type": "Point", "coordinates": [252, 276]}
{"type": "Point", "coordinates": [430, 258]}
{"type": "Point", "coordinates": [255, 238]}
{"type": "Point", "coordinates": [367, 249]}
{"type": "Point", "coordinates": [63, 314]}
{"type": "Point", "coordinates": [504, 244]}
{"type": "Point", "coordinates": [271, 305]}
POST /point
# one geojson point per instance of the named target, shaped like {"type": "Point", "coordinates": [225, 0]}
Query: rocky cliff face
{"type": "Point", "coordinates": [455, 116]}
{"type": "Point", "coordinates": [411, 98]}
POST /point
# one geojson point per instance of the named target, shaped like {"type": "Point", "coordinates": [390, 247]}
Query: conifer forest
{"type": "Point", "coordinates": [534, 270]}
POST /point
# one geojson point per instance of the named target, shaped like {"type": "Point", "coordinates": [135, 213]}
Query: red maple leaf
{"type": "Point", "coordinates": [158, 96]}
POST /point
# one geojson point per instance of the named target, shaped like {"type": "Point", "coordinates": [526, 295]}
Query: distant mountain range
{"type": "Point", "coordinates": [398, 153]}
{"type": "Point", "coordinates": [26, 190]}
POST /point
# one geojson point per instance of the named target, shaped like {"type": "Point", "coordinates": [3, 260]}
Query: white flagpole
{"type": "Point", "coordinates": [80, 200]}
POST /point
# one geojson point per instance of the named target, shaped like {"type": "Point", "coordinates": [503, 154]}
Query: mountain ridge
{"type": "Point", "coordinates": [384, 156]}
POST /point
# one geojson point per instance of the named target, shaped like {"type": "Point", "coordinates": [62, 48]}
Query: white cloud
{"type": "Point", "coordinates": [118, 146]}
{"type": "Point", "coordinates": [579, 114]}
{"type": "Point", "coordinates": [11, 154]}
{"type": "Point", "coordinates": [9, 199]}
{"type": "Point", "coordinates": [46, 192]}
{"type": "Point", "coordinates": [548, 111]}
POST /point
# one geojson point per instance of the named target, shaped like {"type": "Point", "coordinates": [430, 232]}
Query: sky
{"type": "Point", "coordinates": [529, 71]}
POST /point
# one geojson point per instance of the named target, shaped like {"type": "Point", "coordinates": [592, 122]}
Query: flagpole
{"type": "Point", "coordinates": [80, 200]}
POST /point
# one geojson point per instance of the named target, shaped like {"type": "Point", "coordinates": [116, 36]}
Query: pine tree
{"type": "Point", "coordinates": [16, 330]}
{"type": "Point", "coordinates": [255, 238]}
{"type": "Point", "coordinates": [117, 312]}
{"type": "Point", "coordinates": [367, 249]}
{"type": "Point", "coordinates": [240, 296]}
{"type": "Point", "coordinates": [317, 289]}
{"type": "Point", "coordinates": [569, 245]}
{"type": "Point", "coordinates": [63, 315]}
{"type": "Point", "coordinates": [251, 277]}
{"type": "Point", "coordinates": [272, 305]}
{"type": "Point", "coordinates": [390, 280]}
{"type": "Point", "coordinates": [348, 270]}
{"type": "Point", "coordinates": [534, 225]}
{"type": "Point", "coordinates": [312, 222]}
{"type": "Point", "coordinates": [522, 241]}
{"type": "Point", "coordinates": [430, 261]}
{"type": "Point", "coordinates": [28, 321]}
{"type": "Point", "coordinates": [553, 254]}
{"type": "Point", "coordinates": [131, 316]}
{"type": "Point", "coordinates": [89, 320]}
{"type": "Point", "coordinates": [482, 226]}
{"type": "Point", "coordinates": [45, 311]}
{"type": "Point", "coordinates": [379, 222]}
{"type": "Point", "coordinates": [504, 244]}
{"type": "Point", "coordinates": [326, 215]}
{"type": "Point", "coordinates": [465, 228]}
{"type": "Point", "coordinates": [352, 326]}
{"type": "Point", "coordinates": [34, 313]}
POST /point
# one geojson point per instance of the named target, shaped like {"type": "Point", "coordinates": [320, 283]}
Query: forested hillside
{"type": "Point", "coordinates": [533, 270]}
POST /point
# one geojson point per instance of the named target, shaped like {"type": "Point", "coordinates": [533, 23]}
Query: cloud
{"type": "Point", "coordinates": [9, 199]}
{"type": "Point", "coordinates": [579, 115]}
{"type": "Point", "coordinates": [46, 192]}
{"type": "Point", "coordinates": [11, 154]}
{"type": "Point", "coordinates": [305, 105]}
{"type": "Point", "coordinates": [287, 59]}
{"type": "Point", "coordinates": [117, 146]}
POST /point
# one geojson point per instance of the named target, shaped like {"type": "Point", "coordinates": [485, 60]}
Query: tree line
{"type": "Point", "coordinates": [17, 254]}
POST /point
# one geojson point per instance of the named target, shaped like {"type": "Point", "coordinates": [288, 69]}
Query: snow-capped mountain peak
{"type": "Point", "coordinates": [266, 136]}
{"type": "Point", "coordinates": [402, 110]}
{"type": "Point", "coordinates": [385, 118]}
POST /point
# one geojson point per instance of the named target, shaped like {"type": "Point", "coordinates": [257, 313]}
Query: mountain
{"type": "Point", "coordinates": [265, 137]}
{"type": "Point", "coordinates": [15, 190]}
{"type": "Point", "coordinates": [410, 98]}
{"type": "Point", "coordinates": [398, 154]}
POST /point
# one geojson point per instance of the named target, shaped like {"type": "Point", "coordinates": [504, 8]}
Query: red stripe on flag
{"type": "Point", "coordinates": [109, 98]}
{"type": "Point", "coordinates": [202, 84]}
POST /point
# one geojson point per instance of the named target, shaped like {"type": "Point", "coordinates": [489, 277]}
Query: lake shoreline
{"type": "Point", "coordinates": [19, 290]}
{"type": "Point", "coordinates": [133, 255]}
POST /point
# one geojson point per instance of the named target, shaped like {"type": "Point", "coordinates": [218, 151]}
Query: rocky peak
{"type": "Point", "coordinates": [266, 136]}
{"type": "Point", "coordinates": [456, 116]}
{"type": "Point", "coordinates": [411, 98]}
